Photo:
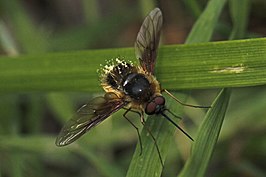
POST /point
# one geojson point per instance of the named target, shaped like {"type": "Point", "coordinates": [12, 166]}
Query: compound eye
{"type": "Point", "coordinates": [150, 108]}
{"type": "Point", "coordinates": [159, 100]}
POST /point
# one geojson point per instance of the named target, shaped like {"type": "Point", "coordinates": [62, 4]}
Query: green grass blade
{"type": "Point", "coordinates": [203, 28]}
{"type": "Point", "coordinates": [6, 40]}
{"type": "Point", "coordinates": [239, 12]}
{"type": "Point", "coordinates": [234, 66]}
{"type": "Point", "coordinates": [206, 137]}
{"type": "Point", "coordinates": [193, 6]}
{"type": "Point", "coordinates": [30, 39]}
{"type": "Point", "coordinates": [207, 65]}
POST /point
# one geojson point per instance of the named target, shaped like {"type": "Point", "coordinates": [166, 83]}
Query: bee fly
{"type": "Point", "coordinates": [133, 88]}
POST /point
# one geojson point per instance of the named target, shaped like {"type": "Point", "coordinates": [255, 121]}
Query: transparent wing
{"type": "Point", "coordinates": [147, 41]}
{"type": "Point", "coordinates": [88, 116]}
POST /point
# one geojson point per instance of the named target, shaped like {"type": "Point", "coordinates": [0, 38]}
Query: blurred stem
{"type": "Point", "coordinates": [7, 42]}
{"type": "Point", "coordinates": [146, 6]}
{"type": "Point", "coordinates": [239, 10]}
{"type": "Point", "coordinates": [194, 7]}
{"type": "Point", "coordinates": [91, 10]}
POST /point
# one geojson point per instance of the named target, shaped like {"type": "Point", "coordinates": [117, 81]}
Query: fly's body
{"type": "Point", "coordinates": [130, 83]}
{"type": "Point", "coordinates": [134, 88]}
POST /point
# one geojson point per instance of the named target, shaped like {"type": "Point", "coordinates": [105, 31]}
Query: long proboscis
{"type": "Point", "coordinates": [170, 120]}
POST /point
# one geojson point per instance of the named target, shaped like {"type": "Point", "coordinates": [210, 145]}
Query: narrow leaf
{"type": "Point", "coordinates": [203, 28]}
{"type": "Point", "coordinates": [239, 12]}
{"type": "Point", "coordinates": [206, 137]}
{"type": "Point", "coordinates": [206, 65]}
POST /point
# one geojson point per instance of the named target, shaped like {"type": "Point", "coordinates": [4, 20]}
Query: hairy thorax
{"type": "Point", "coordinates": [129, 82]}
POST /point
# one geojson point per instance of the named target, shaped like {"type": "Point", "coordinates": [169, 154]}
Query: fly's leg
{"type": "Point", "coordinates": [180, 102]}
{"type": "Point", "coordinates": [137, 129]}
{"type": "Point", "coordinates": [142, 120]}
{"type": "Point", "coordinates": [153, 138]}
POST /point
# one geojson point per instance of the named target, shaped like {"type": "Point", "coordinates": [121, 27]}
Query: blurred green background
{"type": "Point", "coordinates": [29, 122]}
